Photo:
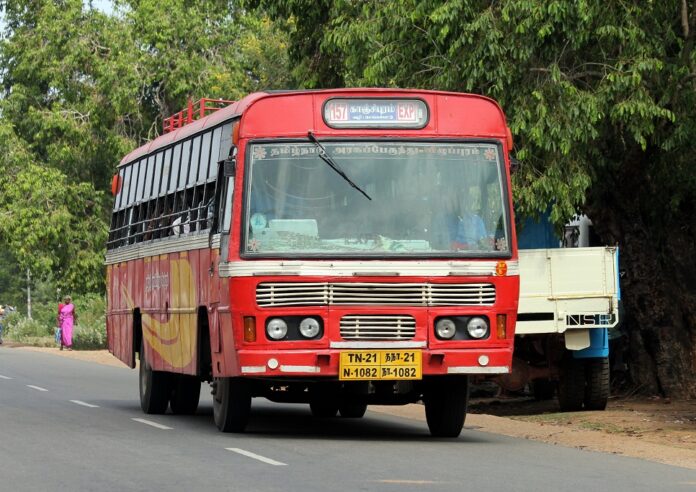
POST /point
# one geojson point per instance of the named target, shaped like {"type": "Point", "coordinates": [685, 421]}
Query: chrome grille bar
{"type": "Point", "coordinates": [383, 294]}
{"type": "Point", "coordinates": [377, 327]}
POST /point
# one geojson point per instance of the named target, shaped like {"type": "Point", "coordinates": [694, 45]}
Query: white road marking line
{"type": "Point", "coordinates": [37, 388]}
{"type": "Point", "coordinates": [84, 404]}
{"type": "Point", "coordinates": [410, 482]}
{"type": "Point", "coordinates": [153, 424]}
{"type": "Point", "coordinates": [256, 456]}
{"type": "Point", "coordinates": [4, 377]}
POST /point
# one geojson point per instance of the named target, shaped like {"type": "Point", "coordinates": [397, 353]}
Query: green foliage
{"type": "Point", "coordinates": [22, 329]}
{"type": "Point", "coordinates": [586, 85]}
{"type": "Point", "coordinates": [81, 88]}
{"type": "Point", "coordinates": [89, 337]}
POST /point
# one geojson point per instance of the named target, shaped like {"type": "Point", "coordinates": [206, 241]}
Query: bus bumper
{"type": "Point", "coordinates": [325, 363]}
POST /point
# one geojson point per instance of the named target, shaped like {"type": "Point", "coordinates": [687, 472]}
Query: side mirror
{"type": "Point", "coordinates": [230, 164]}
{"type": "Point", "coordinates": [515, 165]}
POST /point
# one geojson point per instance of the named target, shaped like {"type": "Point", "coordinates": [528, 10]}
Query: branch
{"type": "Point", "coordinates": [573, 76]}
{"type": "Point", "coordinates": [685, 19]}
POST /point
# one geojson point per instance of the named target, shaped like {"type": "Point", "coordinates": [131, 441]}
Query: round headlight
{"type": "Point", "coordinates": [477, 327]}
{"type": "Point", "coordinates": [276, 329]}
{"type": "Point", "coordinates": [309, 327]}
{"type": "Point", "coordinates": [445, 328]}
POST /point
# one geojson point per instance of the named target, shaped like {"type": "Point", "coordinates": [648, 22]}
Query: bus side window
{"type": "Point", "coordinates": [196, 215]}
{"type": "Point", "coordinates": [225, 206]}
{"type": "Point", "coordinates": [205, 211]}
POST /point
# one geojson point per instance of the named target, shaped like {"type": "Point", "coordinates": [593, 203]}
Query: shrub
{"type": "Point", "coordinates": [90, 332]}
{"type": "Point", "coordinates": [89, 337]}
{"type": "Point", "coordinates": [21, 329]}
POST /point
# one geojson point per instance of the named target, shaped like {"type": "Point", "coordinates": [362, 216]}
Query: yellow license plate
{"type": "Point", "coordinates": [380, 364]}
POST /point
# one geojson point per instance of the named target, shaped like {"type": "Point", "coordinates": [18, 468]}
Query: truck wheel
{"type": "Point", "coordinates": [352, 410]}
{"type": "Point", "coordinates": [186, 392]}
{"type": "Point", "coordinates": [543, 389]}
{"type": "Point", "coordinates": [597, 378]}
{"type": "Point", "coordinates": [231, 404]}
{"type": "Point", "coordinates": [446, 399]}
{"type": "Point", "coordinates": [155, 387]}
{"type": "Point", "coordinates": [571, 385]}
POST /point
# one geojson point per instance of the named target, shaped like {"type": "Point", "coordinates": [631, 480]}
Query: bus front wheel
{"type": "Point", "coordinates": [352, 410]}
{"type": "Point", "coordinates": [446, 399]}
{"type": "Point", "coordinates": [155, 387]}
{"type": "Point", "coordinates": [231, 404]}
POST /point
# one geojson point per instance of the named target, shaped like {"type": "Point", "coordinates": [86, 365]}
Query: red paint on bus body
{"type": "Point", "coordinates": [168, 290]}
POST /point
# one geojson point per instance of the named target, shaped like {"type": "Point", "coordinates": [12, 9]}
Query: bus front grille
{"type": "Point", "coordinates": [377, 327]}
{"type": "Point", "coordinates": [383, 294]}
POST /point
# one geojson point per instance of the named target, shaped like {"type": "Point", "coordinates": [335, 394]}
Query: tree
{"type": "Point", "coordinates": [80, 89]}
{"type": "Point", "coordinates": [600, 96]}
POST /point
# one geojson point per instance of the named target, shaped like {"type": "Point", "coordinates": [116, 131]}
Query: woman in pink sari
{"type": "Point", "coordinates": [67, 317]}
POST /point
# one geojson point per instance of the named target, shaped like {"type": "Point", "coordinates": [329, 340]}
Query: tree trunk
{"type": "Point", "coordinates": [659, 287]}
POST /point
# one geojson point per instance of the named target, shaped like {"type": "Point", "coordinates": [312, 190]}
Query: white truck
{"type": "Point", "coordinates": [569, 299]}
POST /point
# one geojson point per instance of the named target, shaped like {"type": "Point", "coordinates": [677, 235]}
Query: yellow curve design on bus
{"type": "Point", "coordinates": [173, 340]}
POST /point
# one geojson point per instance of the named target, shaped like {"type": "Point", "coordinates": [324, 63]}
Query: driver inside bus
{"type": "Point", "coordinates": [467, 229]}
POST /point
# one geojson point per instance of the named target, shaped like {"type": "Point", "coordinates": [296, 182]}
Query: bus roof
{"type": "Point", "coordinates": [239, 107]}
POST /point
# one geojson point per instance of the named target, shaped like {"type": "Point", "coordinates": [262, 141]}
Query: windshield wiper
{"type": "Point", "coordinates": [327, 158]}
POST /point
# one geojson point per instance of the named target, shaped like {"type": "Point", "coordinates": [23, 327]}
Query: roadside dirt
{"type": "Point", "coordinates": [654, 429]}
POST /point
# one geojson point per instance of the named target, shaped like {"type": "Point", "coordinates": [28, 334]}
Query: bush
{"type": "Point", "coordinates": [90, 332]}
{"type": "Point", "coordinates": [21, 329]}
{"type": "Point", "coordinates": [89, 337]}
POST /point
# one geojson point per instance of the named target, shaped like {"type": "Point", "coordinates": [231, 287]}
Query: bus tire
{"type": "Point", "coordinates": [155, 387]}
{"type": "Point", "coordinates": [571, 385]}
{"type": "Point", "coordinates": [186, 393]}
{"type": "Point", "coordinates": [446, 399]}
{"type": "Point", "coordinates": [597, 379]}
{"type": "Point", "coordinates": [324, 400]}
{"type": "Point", "coordinates": [543, 389]}
{"type": "Point", "coordinates": [231, 404]}
{"type": "Point", "coordinates": [352, 410]}
{"type": "Point", "coordinates": [323, 409]}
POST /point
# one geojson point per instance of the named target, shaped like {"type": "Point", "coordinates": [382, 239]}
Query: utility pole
{"type": "Point", "coordinates": [28, 294]}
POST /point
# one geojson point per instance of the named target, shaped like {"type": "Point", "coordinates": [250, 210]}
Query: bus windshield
{"type": "Point", "coordinates": [427, 198]}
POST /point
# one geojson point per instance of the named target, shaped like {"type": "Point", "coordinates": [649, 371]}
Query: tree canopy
{"type": "Point", "coordinates": [80, 89]}
{"type": "Point", "coordinates": [599, 95]}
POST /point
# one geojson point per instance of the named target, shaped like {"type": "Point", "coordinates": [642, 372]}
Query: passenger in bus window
{"type": "Point", "coordinates": [181, 225]}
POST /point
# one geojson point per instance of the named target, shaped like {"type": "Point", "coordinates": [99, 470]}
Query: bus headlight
{"type": "Point", "coordinates": [309, 328]}
{"type": "Point", "coordinates": [445, 328]}
{"type": "Point", "coordinates": [477, 327]}
{"type": "Point", "coordinates": [276, 329]}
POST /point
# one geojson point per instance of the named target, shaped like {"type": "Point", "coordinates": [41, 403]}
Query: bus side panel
{"type": "Point", "coordinates": [227, 358]}
{"type": "Point", "coordinates": [216, 301]}
{"type": "Point", "coordinates": [109, 307]}
{"type": "Point", "coordinates": [152, 324]}
{"type": "Point", "coordinates": [170, 333]}
{"type": "Point", "coordinates": [150, 278]}
{"type": "Point", "coordinates": [138, 294]}
{"type": "Point", "coordinates": [189, 274]}
{"type": "Point", "coordinates": [201, 261]}
{"type": "Point", "coordinates": [123, 318]}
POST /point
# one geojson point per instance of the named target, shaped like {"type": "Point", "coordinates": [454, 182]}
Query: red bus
{"type": "Point", "coordinates": [336, 247]}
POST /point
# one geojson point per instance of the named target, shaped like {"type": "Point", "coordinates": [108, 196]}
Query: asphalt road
{"type": "Point", "coordinates": [72, 425]}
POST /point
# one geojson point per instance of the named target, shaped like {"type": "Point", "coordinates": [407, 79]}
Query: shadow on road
{"type": "Point", "coordinates": [278, 421]}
